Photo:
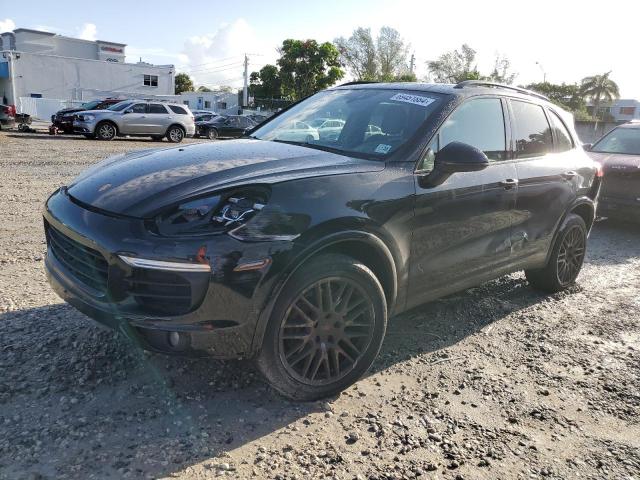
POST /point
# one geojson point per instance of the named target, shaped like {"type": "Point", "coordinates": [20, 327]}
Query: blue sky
{"type": "Point", "coordinates": [207, 39]}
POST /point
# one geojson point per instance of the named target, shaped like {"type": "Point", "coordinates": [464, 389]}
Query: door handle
{"type": "Point", "coordinates": [569, 175]}
{"type": "Point", "coordinates": [509, 183]}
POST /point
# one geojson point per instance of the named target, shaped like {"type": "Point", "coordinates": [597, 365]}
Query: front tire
{"type": "Point", "coordinates": [175, 134]}
{"type": "Point", "coordinates": [566, 258]}
{"type": "Point", "coordinates": [105, 131]}
{"type": "Point", "coordinates": [325, 330]}
{"type": "Point", "coordinates": [212, 134]}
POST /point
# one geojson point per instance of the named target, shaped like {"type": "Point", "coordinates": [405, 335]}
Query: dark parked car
{"type": "Point", "coordinates": [63, 119]}
{"type": "Point", "coordinates": [202, 118]}
{"type": "Point", "coordinates": [619, 153]}
{"type": "Point", "coordinates": [296, 252]}
{"type": "Point", "coordinates": [233, 126]}
{"type": "Point", "coordinates": [7, 116]}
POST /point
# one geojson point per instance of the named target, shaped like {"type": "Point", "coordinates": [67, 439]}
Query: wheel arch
{"type": "Point", "coordinates": [583, 207]}
{"type": "Point", "coordinates": [109, 121]}
{"type": "Point", "coordinates": [175, 125]}
{"type": "Point", "coordinates": [362, 246]}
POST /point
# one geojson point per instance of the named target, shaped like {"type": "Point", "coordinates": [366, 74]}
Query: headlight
{"type": "Point", "coordinates": [86, 118]}
{"type": "Point", "coordinates": [244, 214]}
{"type": "Point", "coordinates": [215, 214]}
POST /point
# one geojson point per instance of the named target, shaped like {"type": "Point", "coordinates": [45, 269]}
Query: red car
{"type": "Point", "coordinates": [619, 154]}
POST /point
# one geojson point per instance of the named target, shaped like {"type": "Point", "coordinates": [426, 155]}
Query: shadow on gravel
{"type": "Point", "coordinates": [73, 394]}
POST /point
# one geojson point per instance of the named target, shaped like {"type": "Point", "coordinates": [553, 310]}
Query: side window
{"type": "Point", "coordinates": [157, 108]}
{"type": "Point", "coordinates": [563, 137]}
{"type": "Point", "coordinates": [139, 108]}
{"type": "Point", "coordinates": [179, 110]}
{"type": "Point", "coordinates": [480, 123]}
{"type": "Point", "coordinates": [532, 132]}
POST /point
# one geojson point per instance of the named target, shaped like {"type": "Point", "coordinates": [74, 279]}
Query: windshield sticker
{"type": "Point", "coordinates": [382, 148]}
{"type": "Point", "coordinates": [415, 99]}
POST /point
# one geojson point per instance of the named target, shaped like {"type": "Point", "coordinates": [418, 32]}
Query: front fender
{"type": "Point", "coordinates": [367, 238]}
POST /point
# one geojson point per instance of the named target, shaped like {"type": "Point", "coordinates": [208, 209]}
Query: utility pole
{"type": "Point", "coordinates": [412, 62]}
{"type": "Point", "coordinates": [245, 88]}
{"type": "Point", "coordinates": [544, 74]}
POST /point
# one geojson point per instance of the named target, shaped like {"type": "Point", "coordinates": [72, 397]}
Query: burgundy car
{"type": "Point", "coordinates": [619, 154]}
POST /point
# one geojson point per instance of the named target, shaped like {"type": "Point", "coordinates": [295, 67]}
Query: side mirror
{"type": "Point", "coordinates": [128, 110]}
{"type": "Point", "coordinates": [460, 157]}
{"type": "Point", "coordinates": [455, 157]}
{"type": "Point", "coordinates": [587, 146]}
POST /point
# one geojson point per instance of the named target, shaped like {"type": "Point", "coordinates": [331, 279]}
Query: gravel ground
{"type": "Point", "coordinates": [496, 382]}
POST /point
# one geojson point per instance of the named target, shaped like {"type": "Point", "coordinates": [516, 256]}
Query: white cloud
{"type": "Point", "coordinates": [88, 31]}
{"type": "Point", "coordinates": [7, 25]}
{"type": "Point", "coordinates": [215, 59]}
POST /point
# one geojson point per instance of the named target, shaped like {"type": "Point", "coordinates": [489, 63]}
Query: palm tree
{"type": "Point", "coordinates": [598, 88]}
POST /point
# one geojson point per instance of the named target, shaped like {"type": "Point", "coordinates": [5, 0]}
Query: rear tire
{"type": "Point", "coordinates": [325, 330]}
{"type": "Point", "coordinates": [105, 131]}
{"type": "Point", "coordinates": [212, 134]}
{"type": "Point", "coordinates": [566, 258]}
{"type": "Point", "coordinates": [175, 134]}
{"type": "Point", "coordinates": [156, 138]}
{"type": "Point", "coordinates": [89, 136]}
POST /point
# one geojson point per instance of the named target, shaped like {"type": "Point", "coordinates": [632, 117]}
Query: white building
{"type": "Point", "coordinates": [621, 110]}
{"type": "Point", "coordinates": [225, 103]}
{"type": "Point", "coordinates": [39, 64]}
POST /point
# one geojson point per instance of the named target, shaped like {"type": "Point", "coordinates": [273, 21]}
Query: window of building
{"type": "Point", "coordinates": [563, 137]}
{"type": "Point", "coordinates": [186, 102]}
{"type": "Point", "coordinates": [627, 110]}
{"type": "Point", "coordinates": [479, 123]}
{"type": "Point", "coordinates": [36, 95]}
{"type": "Point", "coordinates": [151, 80]}
{"type": "Point", "coordinates": [157, 108]}
{"type": "Point", "coordinates": [532, 131]}
{"type": "Point", "coordinates": [222, 105]}
{"type": "Point", "coordinates": [207, 104]}
{"type": "Point", "coordinates": [178, 110]}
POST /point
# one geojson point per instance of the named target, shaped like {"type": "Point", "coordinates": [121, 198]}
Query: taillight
{"type": "Point", "coordinates": [599, 170]}
{"type": "Point", "coordinates": [12, 110]}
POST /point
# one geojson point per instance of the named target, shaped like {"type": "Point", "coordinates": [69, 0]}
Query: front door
{"type": "Point", "coordinates": [134, 119]}
{"type": "Point", "coordinates": [462, 230]}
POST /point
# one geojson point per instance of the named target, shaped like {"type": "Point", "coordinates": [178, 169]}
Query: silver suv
{"type": "Point", "coordinates": [137, 118]}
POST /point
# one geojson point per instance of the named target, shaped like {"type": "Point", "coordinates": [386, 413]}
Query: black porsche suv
{"type": "Point", "coordinates": [294, 250]}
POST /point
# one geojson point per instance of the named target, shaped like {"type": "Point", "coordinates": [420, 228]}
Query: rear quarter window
{"type": "Point", "coordinates": [532, 132]}
{"type": "Point", "coordinates": [563, 137]}
{"type": "Point", "coordinates": [178, 110]}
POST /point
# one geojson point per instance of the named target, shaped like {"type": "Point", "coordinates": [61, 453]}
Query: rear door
{"type": "Point", "coordinates": [158, 119]}
{"type": "Point", "coordinates": [547, 176]}
{"type": "Point", "coordinates": [134, 119]}
{"type": "Point", "coordinates": [462, 227]}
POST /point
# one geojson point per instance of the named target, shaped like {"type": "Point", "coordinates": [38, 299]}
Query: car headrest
{"type": "Point", "coordinates": [395, 120]}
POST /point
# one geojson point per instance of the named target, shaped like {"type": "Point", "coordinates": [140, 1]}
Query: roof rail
{"type": "Point", "coordinates": [483, 83]}
{"type": "Point", "coordinates": [357, 82]}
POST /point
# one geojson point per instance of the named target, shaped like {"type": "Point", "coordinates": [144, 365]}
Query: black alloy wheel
{"type": "Point", "coordinates": [571, 255]}
{"type": "Point", "coordinates": [326, 331]}
{"type": "Point", "coordinates": [566, 257]}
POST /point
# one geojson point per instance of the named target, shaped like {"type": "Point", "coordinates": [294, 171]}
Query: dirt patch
{"type": "Point", "coordinates": [495, 382]}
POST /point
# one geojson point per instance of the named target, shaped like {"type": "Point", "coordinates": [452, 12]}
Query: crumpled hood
{"type": "Point", "coordinates": [139, 183]}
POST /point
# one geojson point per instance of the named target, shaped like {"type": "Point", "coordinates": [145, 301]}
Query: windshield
{"type": "Point", "coordinates": [119, 106]}
{"type": "Point", "coordinates": [619, 140]}
{"type": "Point", "coordinates": [369, 122]}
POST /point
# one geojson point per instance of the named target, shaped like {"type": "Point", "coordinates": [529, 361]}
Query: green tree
{"type": "Point", "coordinates": [455, 66]}
{"type": "Point", "coordinates": [266, 83]}
{"type": "Point", "coordinates": [567, 96]}
{"type": "Point", "coordinates": [501, 71]}
{"type": "Point", "coordinates": [392, 54]}
{"type": "Point", "coordinates": [183, 83]}
{"type": "Point", "coordinates": [307, 67]}
{"type": "Point", "coordinates": [203, 88]}
{"type": "Point", "coordinates": [598, 88]}
{"type": "Point", "coordinates": [358, 54]}
{"type": "Point", "coordinates": [383, 59]}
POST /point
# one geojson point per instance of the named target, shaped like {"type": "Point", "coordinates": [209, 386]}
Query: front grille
{"type": "Point", "coordinates": [160, 292]}
{"type": "Point", "coordinates": [85, 264]}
